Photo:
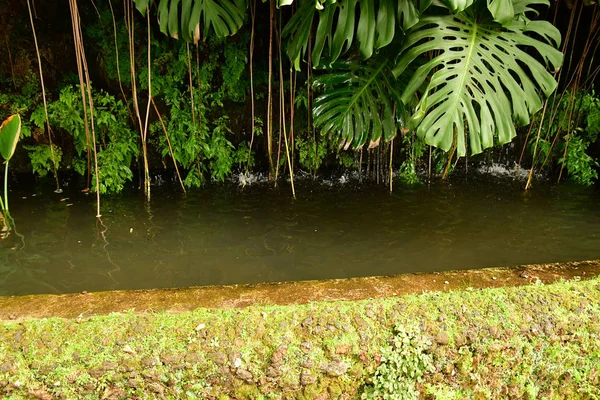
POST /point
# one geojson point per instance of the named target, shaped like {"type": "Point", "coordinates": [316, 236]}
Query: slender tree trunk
{"type": "Point", "coordinates": [292, 110]}
{"type": "Point", "coordinates": [84, 75]}
{"type": "Point", "coordinates": [270, 89]}
{"type": "Point", "coordinates": [145, 134]}
{"type": "Point", "coordinates": [199, 105]}
{"type": "Point", "coordinates": [131, 30]}
{"type": "Point", "coordinates": [391, 170]}
{"type": "Point", "coordinates": [187, 45]}
{"type": "Point", "coordinates": [252, 103]}
{"type": "Point", "coordinates": [281, 98]}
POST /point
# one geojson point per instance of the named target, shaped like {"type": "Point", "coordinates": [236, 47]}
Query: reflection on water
{"type": "Point", "coordinates": [226, 235]}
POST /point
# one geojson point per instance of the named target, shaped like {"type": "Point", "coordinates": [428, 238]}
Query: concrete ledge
{"type": "Point", "coordinates": [237, 296]}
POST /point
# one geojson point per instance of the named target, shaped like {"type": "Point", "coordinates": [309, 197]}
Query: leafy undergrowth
{"type": "Point", "coordinates": [539, 341]}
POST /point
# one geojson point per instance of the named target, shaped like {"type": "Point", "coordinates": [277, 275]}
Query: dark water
{"type": "Point", "coordinates": [226, 235]}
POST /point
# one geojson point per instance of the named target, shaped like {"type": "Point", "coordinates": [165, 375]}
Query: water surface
{"type": "Point", "coordinates": [224, 234]}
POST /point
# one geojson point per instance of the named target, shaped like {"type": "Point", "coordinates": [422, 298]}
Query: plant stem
{"type": "Point", "coordinates": [270, 89]}
{"type": "Point", "coordinates": [391, 170]}
{"type": "Point", "coordinates": [528, 184]}
{"type": "Point", "coordinates": [5, 205]}
{"type": "Point", "coordinates": [189, 59]}
{"type": "Point", "coordinates": [253, 18]}
{"type": "Point", "coordinates": [169, 143]}
{"type": "Point", "coordinates": [145, 134]}
{"type": "Point", "coordinates": [37, 52]}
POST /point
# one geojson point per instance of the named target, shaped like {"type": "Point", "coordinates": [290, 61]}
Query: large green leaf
{"type": "Point", "coordinates": [409, 12]}
{"type": "Point", "coordinates": [9, 136]}
{"type": "Point", "coordinates": [482, 79]}
{"type": "Point", "coordinates": [357, 103]}
{"type": "Point", "coordinates": [341, 24]}
{"type": "Point", "coordinates": [194, 19]}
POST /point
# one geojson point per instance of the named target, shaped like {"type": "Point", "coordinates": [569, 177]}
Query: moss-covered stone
{"type": "Point", "coordinates": [521, 342]}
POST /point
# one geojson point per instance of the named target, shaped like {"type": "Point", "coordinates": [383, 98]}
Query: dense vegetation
{"type": "Point", "coordinates": [532, 342]}
{"type": "Point", "coordinates": [377, 87]}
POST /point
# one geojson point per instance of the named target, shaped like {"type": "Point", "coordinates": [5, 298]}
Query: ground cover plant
{"type": "Point", "coordinates": [537, 341]}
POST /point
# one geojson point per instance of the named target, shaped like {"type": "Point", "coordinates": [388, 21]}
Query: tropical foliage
{"type": "Point", "coordinates": [452, 78]}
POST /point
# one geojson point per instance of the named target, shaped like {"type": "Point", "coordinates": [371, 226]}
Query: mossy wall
{"type": "Point", "coordinates": [538, 341]}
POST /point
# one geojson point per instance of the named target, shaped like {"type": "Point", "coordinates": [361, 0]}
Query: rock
{"type": "Point", "coordinates": [156, 388]}
{"type": "Point", "coordinates": [335, 368]}
{"type": "Point", "coordinates": [308, 321]}
{"type": "Point", "coordinates": [149, 362]}
{"type": "Point", "coordinates": [244, 375]}
{"type": "Point", "coordinates": [305, 346]}
{"type": "Point", "coordinates": [194, 358]}
{"type": "Point", "coordinates": [308, 363]}
{"type": "Point", "coordinates": [169, 359]}
{"type": "Point", "coordinates": [7, 367]}
{"type": "Point", "coordinates": [342, 349]}
{"type": "Point", "coordinates": [127, 349]}
{"type": "Point", "coordinates": [442, 338]}
{"type": "Point", "coordinates": [280, 354]}
{"type": "Point", "coordinates": [40, 394]}
{"type": "Point", "coordinates": [273, 372]}
{"type": "Point", "coordinates": [494, 331]}
{"type": "Point", "coordinates": [218, 358]}
{"type": "Point", "coordinates": [200, 326]}
{"type": "Point", "coordinates": [306, 378]}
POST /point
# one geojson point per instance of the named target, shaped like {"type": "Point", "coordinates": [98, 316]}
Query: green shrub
{"type": "Point", "coordinates": [404, 363]}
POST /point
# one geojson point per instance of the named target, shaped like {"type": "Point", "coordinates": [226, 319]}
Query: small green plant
{"type": "Point", "coordinates": [41, 158]}
{"type": "Point", "coordinates": [9, 137]}
{"type": "Point", "coordinates": [311, 153]}
{"type": "Point", "coordinates": [404, 363]}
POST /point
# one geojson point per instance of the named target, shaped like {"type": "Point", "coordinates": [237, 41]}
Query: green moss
{"type": "Point", "coordinates": [536, 341]}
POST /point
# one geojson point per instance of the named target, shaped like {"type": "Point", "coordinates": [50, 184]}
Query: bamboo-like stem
{"type": "Point", "coordinates": [83, 68]}
{"type": "Point", "coordinates": [131, 31]}
{"type": "Point", "coordinates": [429, 171]}
{"type": "Point", "coordinates": [391, 170]}
{"type": "Point", "coordinates": [360, 165]}
{"type": "Point", "coordinates": [199, 87]}
{"type": "Point", "coordinates": [189, 59]}
{"type": "Point", "coordinates": [270, 89]}
{"type": "Point", "coordinates": [281, 97]}
{"type": "Point", "coordinates": [530, 176]}
{"type": "Point", "coordinates": [169, 143]}
{"type": "Point", "coordinates": [309, 106]}
{"type": "Point", "coordinates": [112, 13]}
{"type": "Point", "coordinates": [252, 103]}
{"type": "Point", "coordinates": [74, 22]}
{"type": "Point", "coordinates": [145, 135]}
{"type": "Point", "coordinates": [450, 157]}
{"type": "Point", "coordinates": [283, 124]}
{"type": "Point", "coordinates": [39, 58]}
{"type": "Point", "coordinates": [292, 110]}
{"type": "Point", "coordinates": [10, 61]}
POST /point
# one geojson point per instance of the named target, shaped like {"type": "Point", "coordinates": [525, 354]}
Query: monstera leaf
{"type": "Point", "coordinates": [482, 79]}
{"type": "Point", "coordinates": [357, 103]}
{"type": "Point", "coordinates": [9, 136]}
{"type": "Point", "coordinates": [342, 23]}
{"type": "Point", "coordinates": [193, 19]}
